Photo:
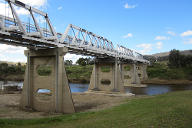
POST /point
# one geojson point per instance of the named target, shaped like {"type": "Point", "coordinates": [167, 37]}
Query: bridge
{"type": "Point", "coordinates": [113, 68]}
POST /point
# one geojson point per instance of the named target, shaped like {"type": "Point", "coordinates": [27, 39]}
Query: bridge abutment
{"type": "Point", "coordinates": [46, 85]}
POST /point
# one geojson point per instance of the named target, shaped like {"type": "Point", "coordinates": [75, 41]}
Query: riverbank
{"type": "Point", "coordinates": [83, 102]}
{"type": "Point", "coordinates": [167, 110]}
{"type": "Point", "coordinates": [157, 81]}
{"type": "Point", "coordinates": [14, 77]}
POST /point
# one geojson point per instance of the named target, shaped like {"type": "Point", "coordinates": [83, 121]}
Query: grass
{"type": "Point", "coordinates": [172, 110]}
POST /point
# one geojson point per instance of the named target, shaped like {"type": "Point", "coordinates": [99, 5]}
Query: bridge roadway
{"type": "Point", "coordinates": [13, 31]}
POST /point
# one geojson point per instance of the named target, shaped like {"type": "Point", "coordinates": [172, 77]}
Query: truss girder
{"type": "Point", "coordinates": [80, 41]}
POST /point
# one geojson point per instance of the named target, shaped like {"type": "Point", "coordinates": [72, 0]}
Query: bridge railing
{"type": "Point", "coordinates": [80, 37]}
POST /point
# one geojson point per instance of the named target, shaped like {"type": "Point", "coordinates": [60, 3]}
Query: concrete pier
{"type": "Point", "coordinates": [106, 76]}
{"type": "Point", "coordinates": [45, 71]}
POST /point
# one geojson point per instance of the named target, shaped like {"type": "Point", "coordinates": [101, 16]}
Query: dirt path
{"type": "Point", "coordinates": [9, 105]}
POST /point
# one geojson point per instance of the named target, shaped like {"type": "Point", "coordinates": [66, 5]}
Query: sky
{"type": "Point", "coordinates": [147, 26]}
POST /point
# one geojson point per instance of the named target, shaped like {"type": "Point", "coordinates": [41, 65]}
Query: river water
{"type": "Point", "coordinates": [149, 90]}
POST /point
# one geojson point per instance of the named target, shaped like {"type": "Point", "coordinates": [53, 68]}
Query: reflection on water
{"type": "Point", "coordinates": [149, 90]}
{"type": "Point", "coordinates": [78, 87]}
{"type": "Point", "coordinates": [157, 89]}
{"type": "Point", "coordinates": [11, 83]}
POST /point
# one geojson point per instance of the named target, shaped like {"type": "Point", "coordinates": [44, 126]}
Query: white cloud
{"type": "Point", "coordinates": [171, 33]}
{"type": "Point", "coordinates": [159, 45]}
{"type": "Point", "coordinates": [128, 35]}
{"type": "Point", "coordinates": [21, 11]}
{"type": "Point", "coordinates": [127, 6]}
{"type": "Point", "coordinates": [161, 38]}
{"type": "Point", "coordinates": [145, 48]}
{"type": "Point", "coordinates": [35, 3]}
{"type": "Point", "coordinates": [5, 9]}
{"type": "Point", "coordinates": [12, 53]}
{"type": "Point", "coordinates": [189, 41]}
{"type": "Point", "coordinates": [187, 33]}
{"type": "Point", "coordinates": [59, 8]}
{"type": "Point", "coordinates": [11, 49]}
{"type": "Point", "coordinates": [40, 19]}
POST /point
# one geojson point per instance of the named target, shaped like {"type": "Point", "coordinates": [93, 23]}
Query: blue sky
{"type": "Point", "coordinates": [148, 26]}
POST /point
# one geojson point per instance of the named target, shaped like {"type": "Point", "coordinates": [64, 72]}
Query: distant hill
{"type": "Point", "coordinates": [163, 54]}
{"type": "Point", "coordinates": [12, 63]}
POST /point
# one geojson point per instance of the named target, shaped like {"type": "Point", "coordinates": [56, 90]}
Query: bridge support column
{"type": "Point", "coordinates": [142, 71]}
{"type": "Point", "coordinates": [106, 76]}
{"type": "Point", "coordinates": [129, 74]}
{"type": "Point", "coordinates": [46, 85]}
{"type": "Point", "coordinates": [136, 79]}
{"type": "Point", "coordinates": [133, 73]}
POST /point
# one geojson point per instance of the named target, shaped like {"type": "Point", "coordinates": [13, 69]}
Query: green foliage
{"type": "Point", "coordinates": [44, 70]}
{"type": "Point", "coordinates": [105, 68]}
{"type": "Point", "coordinates": [162, 71]}
{"type": "Point", "coordinates": [174, 58]}
{"type": "Point", "coordinates": [172, 110]}
{"type": "Point", "coordinates": [179, 67]}
{"type": "Point", "coordinates": [85, 61]}
{"type": "Point", "coordinates": [127, 68]}
{"type": "Point", "coordinates": [79, 73]}
{"type": "Point", "coordinates": [6, 69]}
{"type": "Point", "coordinates": [68, 62]}
{"type": "Point", "coordinates": [178, 60]}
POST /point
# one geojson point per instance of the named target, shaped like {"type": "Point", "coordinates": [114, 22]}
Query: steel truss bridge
{"type": "Point", "coordinates": [13, 31]}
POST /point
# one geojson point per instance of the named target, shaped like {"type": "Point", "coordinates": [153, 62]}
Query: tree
{"type": "Point", "coordinates": [3, 67]}
{"type": "Point", "coordinates": [174, 58]}
{"type": "Point", "coordinates": [68, 62]}
{"type": "Point", "coordinates": [82, 61]}
{"type": "Point", "coordinates": [85, 61]}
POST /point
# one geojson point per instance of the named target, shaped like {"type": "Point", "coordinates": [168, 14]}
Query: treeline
{"type": "Point", "coordinates": [81, 61]}
{"type": "Point", "coordinates": [174, 59]}
{"type": "Point", "coordinates": [176, 66]}
{"type": "Point", "coordinates": [177, 60]}
{"type": "Point", "coordinates": [6, 69]}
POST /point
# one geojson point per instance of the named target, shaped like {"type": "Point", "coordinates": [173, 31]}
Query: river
{"type": "Point", "coordinates": [149, 90]}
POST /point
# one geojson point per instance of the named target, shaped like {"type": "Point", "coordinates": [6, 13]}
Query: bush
{"type": "Point", "coordinates": [11, 69]}
{"type": "Point", "coordinates": [162, 71]}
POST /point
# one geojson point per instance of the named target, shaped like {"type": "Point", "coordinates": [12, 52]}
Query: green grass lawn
{"type": "Point", "coordinates": [172, 110]}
